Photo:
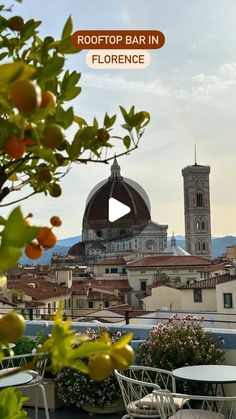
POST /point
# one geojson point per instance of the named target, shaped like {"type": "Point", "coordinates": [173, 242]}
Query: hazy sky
{"type": "Point", "coordinates": [189, 89]}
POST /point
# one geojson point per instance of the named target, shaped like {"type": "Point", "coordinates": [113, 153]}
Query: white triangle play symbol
{"type": "Point", "coordinates": [116, 209]}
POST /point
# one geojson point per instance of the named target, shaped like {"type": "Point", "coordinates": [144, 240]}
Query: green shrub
{"type": "Point", "coordinates": [179, 343]}
{"type": "Point", "coordinates": [25, 345]}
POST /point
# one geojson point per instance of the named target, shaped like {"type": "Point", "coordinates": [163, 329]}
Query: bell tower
{"type": "Point", "coordinates": [197, 210]}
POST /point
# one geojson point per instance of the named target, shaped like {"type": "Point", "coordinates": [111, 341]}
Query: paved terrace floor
{"type": "Point", "coordinates": [72, 413]}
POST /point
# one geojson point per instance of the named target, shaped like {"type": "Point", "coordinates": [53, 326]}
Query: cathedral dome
{"type": "Point", "coordinates": [124, 190]}
{"type": "Point", "coordinates": [173, 248]}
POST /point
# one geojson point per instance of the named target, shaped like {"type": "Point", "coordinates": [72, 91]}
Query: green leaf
{"type": "Point", "coordinates": [9, 257]}
{"type": "Point", "coordinates": [2, 220]}
{"type": "Point", "coordinates": [11, 402]}
{"type": "Point", "coordinates": [27, 72]}
{"type": "Point", "coordinates": [44, 154]}
{"type": "Point", "coordinates": [82, 123]}
{"type": "Point", "coordinates": [64, 118]}
{"type": "Point", "coordinates": [125, 114]}
{"type": "Point", "coordinates": [31, 233]}
{"type": "Point", "coordinates": [124, 340]}
{"type": "Point", "coordinates": [16, 232]}
{"type": "Point", "coordinates": [51, 68]}
{"type": "Point", "coordinates": [3, 55]}
{"type": "Point", "coordinates": [28, 30]}
{"type": "Point", "coordinates": [75, 149]}
{"type": "Point", "coordinates": [137, 119]}
{"type": "Point", "coordinates": [131, 112]}
{"type": "Point", "coordinates": [69, 90]}
{"type": "Point", "coordinates": [79, 365]}
{"type": "Point", "coordinates": [87, 134]}
{"type": "Point", "coordinates": [14, 229]}
{"type": "Point", "coordinates": [127, 127]}
{"type": "Point", "coordinates": [71, 93]}
{"type": "Point", "coordinates": [127, 141]}
{"type": "Point", "coordinates": [10, 72]}
{"type": "Point", "coordinates": [68, 28]}
{"type": "Point", "coordinates": [89, 348]}
{"type": "Point", "coordinates": [109, 121]}
{"type": "Point", "coordinates": [70, 79]}
{"type": "Point", "coordinates": [95, 123]}
{"type": "Point", "coordinates": [66, 47]}
{"type": "Point", "coordinates": [146, 116]}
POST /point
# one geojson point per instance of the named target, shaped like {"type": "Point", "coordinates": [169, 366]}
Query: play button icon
{"type": "Point", "coordinates": [116, 210]}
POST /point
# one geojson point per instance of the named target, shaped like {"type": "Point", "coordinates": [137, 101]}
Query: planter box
{"type": "Point", "coordinates": [109, 408]}
{"type": "Point", "coordinates": [53, 401]}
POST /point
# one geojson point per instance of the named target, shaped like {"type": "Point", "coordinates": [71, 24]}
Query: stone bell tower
{"type": "Point", "coordinates": [197, 210]}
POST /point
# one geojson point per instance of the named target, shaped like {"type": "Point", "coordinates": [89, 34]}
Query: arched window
{"type": "Point", "coordinates": [198, 226]}
{"type": "Point", "coordinates": [203, 225]}
{"type": "Point", "coordinates": [203, 246]}
{"type": "Point", "coordinates": [199, 246]}
{"type": "Point", "coordinates": [199, 199]}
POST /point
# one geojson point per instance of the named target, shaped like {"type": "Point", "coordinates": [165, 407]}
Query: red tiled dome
{"type": "Point", "coordinates": [77, 249]}
{"type": "Point", "coordinates": [117, 187]}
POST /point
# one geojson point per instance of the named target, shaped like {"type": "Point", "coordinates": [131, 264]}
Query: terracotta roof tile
{"type": "Point", "coordinates": [209, 283]}
{"type": "Point", "coordinates": [213, 268]}
{"type": "Point", "coordinates": [170, 261]}
{"type": "Point", "coordinates": [40, 290]}
{"type": "Point", "coordinates": [117, 261]}
{"type": "Point", "coordinates": [77, 249]}
{"type": "Point", "coordinates": [81, 287]}
{"type": "Point", "coordinates": [112, 283]}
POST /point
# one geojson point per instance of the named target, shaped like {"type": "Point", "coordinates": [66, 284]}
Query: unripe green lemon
{"type": "Point", "coordinates": [52, 136]}
{"type": "Point", "coordinates": [12, 326]}
{"type": "Point", "coordinates": [100, 367]}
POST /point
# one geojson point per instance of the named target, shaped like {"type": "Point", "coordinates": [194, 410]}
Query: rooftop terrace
{"type": "Point", "coordinates": [140, 334]}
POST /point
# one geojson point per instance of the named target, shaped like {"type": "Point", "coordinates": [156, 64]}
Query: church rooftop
{"type": "Point", "coordinates": [170, 261]}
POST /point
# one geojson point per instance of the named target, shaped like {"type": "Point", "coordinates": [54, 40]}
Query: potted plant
{"type": "Point", "coordinates": [180, 342]}
{"type": "Point", "coordinates": [77, 389]}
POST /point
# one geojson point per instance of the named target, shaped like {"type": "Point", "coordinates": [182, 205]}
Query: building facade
{"type": "Point", "coordinates": [166, 269]}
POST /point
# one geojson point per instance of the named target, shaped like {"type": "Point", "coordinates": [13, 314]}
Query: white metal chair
{"type": "Point", "coordinates": [12, 362]}
{"type": "Point", "coordinates": [194, 406]}
{"type": "Point", "coordinates": [137, 384]}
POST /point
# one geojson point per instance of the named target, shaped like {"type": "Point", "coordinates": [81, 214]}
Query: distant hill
{"type": "Point", "coordinates": [218, 248]}
{"type": "Point", "coordinates": [62, 248]}
{"type": "Point", "coordinates": [69, 241]}
{"type": "Point", "coordinates": [218, 244]}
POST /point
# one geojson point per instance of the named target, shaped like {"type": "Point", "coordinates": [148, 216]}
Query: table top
{"type": "Point", "coordinates": [15, 380]}
{"type": "Point", "coordinates": [207, 373]}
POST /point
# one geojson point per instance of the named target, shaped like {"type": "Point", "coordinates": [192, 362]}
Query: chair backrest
{"type": "Point", "coordinates": [36, 362]}
{"type": "Point", "coordinates": [194, 406]}
{"type": "Point", "coordinates": [163, 378]}
{"type": "Point", "coordinates": [137, 384]}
